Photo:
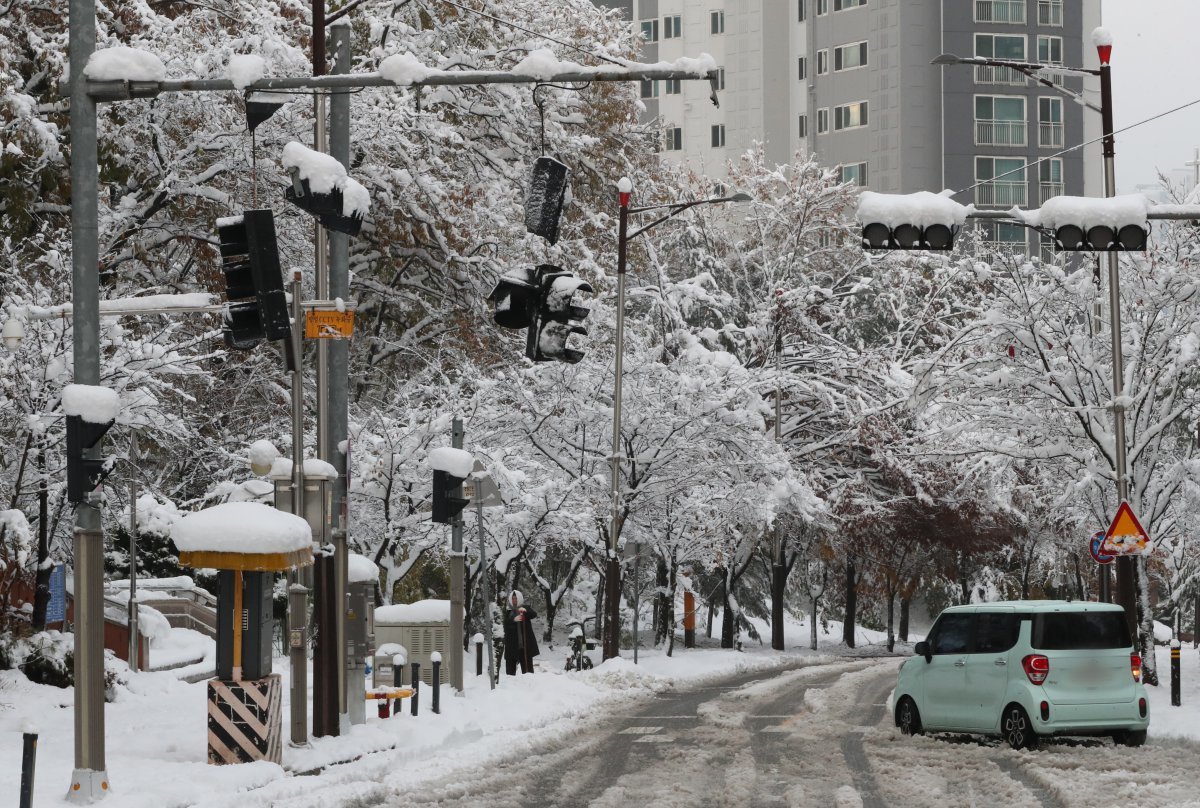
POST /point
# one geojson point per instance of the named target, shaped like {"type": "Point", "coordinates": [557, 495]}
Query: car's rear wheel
{"type": "Point", "coordinates": [908, 717]}
{"type": "Point", "coordinates": [1130, 737]}
{"type": "Point", "coordinates": [1017, 728]}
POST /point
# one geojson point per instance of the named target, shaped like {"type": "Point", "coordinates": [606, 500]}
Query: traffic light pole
{"type": "Point", "coordinates": [457, 561]}
{"type": "Point", "coordinates": [778, 569]}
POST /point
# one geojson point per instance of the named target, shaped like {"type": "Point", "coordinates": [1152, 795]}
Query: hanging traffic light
{"type": "Point", "coordinates": [448, 500]}
{"type": "Point", "coordinates": [515, 298]}
{"type": "Point", "coordinates": [552, 325]}
{"type": "Point", "coordinates": [84, 473]}
{"type": "Point", "coordinates": [1102, 238]}
{"type": "Point", "coordinates": [878, 236]}
{"type": "Point", "coordinates": [253, 283]}
{"type": "Point", "coordinates": [544, 199]}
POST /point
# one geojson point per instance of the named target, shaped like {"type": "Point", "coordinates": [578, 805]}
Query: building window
{"type": "Point", "coordinates": [649, 88]}
{"type": "Point", "coordinates": [1050, 178]}
{"type": "Point", "coordinates": [1050, 12]}
{"type": "Point", "coordinates": [720, 78]}
{"type": "Point", "coordinates": [822, 121]}
{"type": "Point", "coordinates": [999, 120]}
{"type": "Point", "coordinates": [1005, 237]}
{"type": "Point", "coordinates": [999, 46]}
{"type": "Point", "coordinates": [822, 62]}
{"type": "Point", "coordinates": [674, 139]}
{"type": "Point", "coordinates": [842, 5]}
{"type": "Point", "coordinates": [672, 27]}
{"type": "Point", "coordinates": [650, 30]}
{"type": "Point", "coordinates": [1003, 182]}
{"type": "Point", "coordinates": [803, 126]}
{"type": "Point", "coordinates": [848, 116]}
{"type": "Point", "coordinates": [848, 57]}
{"type": "Point", "coordinates": [1050, 123]}
{"type": "Point", "coordinates": [1050, 50]}
{"type": "Point", "coordinates": [822, 7]}
{"type": "Point", "coordinates": [1011, 11]}
{"type": "Point", "coordinates": [801, 5]}
{"type": "Point", "coordinates": [718, 136]}
{"type": "Point", "coordinates": [802, 64]}
{"type": "Point", "coordinates": [718, 22]}
{"type": "Point", "coordinates": [673, 86]}
{"type": "Point", "coordinates": [855, 173]}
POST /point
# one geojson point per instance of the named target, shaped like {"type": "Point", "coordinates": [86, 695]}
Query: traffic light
{"type": "Point", "coordinates": [1101, 238]}
{"type": "Point", "coordinates": [551, 325]}
{"type": "Point", "coordinates": [544, 199]}
{"type": "Point", "coordinates": [253, 283]}
{"type": "Point", "coordinates": [448, 500]}
{"type": "Point", "coordinates": [83, 473]}
{"type": "Point", "coordinates": [515, 297]}
{"type": "Point", "coordinates": [329, 208]}
{"type": "Point", "coordinates": [878, 236]}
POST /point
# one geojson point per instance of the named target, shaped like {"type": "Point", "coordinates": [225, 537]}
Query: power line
{"type": "Point", "coordinates": [1078, 146]}
{"type": "Point", "coordinates": [534, 33]}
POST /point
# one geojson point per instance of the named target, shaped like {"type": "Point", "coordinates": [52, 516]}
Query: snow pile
{"type": "Point", "coordinates": [1101, 36]}
{"type": "Point", "coordinates": [263, 453]}
{"type": "Point", "coordinates": [360, 569]}
{"type": "Point", "coordinates": [96, 405]}
{"type": "Point", "coordinates": [404, 69]}
{"type": "Point", "coordinates": [314, 468]}
{"type": "Point", "coordinates": [18, 538]}
{"type": "Point", "coordinates": [324, 175]}
{"type": "Point", "coordinates": [245, 69]}
{"type": "Point", "coordinates": [423, 611]}
{"type": "Point", "coordinates": [624, 185]}
{"type": "Point", "coordinates": [155, 518]}
{"type": "Point", "coordinates": [455, 462]}
{"type": "Point", "coordinates": [920, 209]}
{"type": "Point", "coordinates": [1085, 212]}
{"type": "Point", "coordinates": [124, 64]}
{"type": "Point", "coordinates": [543, 64]}
{"type": "Point", "coordinates": [241, 527]}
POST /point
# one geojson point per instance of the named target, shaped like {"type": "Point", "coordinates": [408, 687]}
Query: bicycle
{"type": "Point", "coordinates": [578, 660]}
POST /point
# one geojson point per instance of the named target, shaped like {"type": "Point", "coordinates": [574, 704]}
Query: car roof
{"type": "Point", "coordinates": [1039, 606]}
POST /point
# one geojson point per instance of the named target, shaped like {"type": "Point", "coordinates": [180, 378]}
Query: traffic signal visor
{"type": "Point", "coordinates": [91, 411]}
{"type": "Point", "coordinates": [450, 467]}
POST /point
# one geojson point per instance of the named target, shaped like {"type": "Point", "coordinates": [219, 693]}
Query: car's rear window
{"type": "Point", "coordinates": [1080, 631]}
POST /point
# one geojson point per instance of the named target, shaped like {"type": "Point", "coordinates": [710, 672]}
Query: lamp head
{"type": "Point", "coordinates": [946, 59]}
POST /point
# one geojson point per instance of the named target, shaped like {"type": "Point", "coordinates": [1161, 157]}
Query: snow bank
{"type": "Point", "coordinates": [241, 527]}
{"type": "Point", "coordinates": [324, 175]}
{"type": "Point", "coordinates": [360, 569]}
{"type": "Point", "coordinates": [423, 611]}
{"type": "Point", "coordinates": [245, 69]}
{"type": "Point", "coordinates": [124, 64]}
{"type": "Point", "coordinates": [455, 462]}
{"type": "Point", "coordinates": [96, 405]}
{"type": "Point", "coordinates": [404, 69]}
{"type": "Point", "coordinates": [1085, 212]}
{"type": "Point", "coordinates": [920, 209]}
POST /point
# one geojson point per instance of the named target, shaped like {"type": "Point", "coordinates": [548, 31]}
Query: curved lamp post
{"type": "Point", "coordinates": [612, 578]}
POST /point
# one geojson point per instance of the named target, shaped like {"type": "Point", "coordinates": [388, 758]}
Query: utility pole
{"type": "Point", "coordinates": [778, 569]}
{"type": "Point", "coordinates": [457, 561]}
{"type": "Point", "coordinates": [132, 618]}
{"type": "Point", "coordinates": [89, 780]}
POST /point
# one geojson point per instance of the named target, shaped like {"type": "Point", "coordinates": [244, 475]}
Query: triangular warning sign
{"type": "Point", "coordinates": [1125, 536]}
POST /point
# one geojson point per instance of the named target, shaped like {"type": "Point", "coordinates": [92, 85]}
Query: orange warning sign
{"type": "Point", "coordinates": [1126, 536]}
{"type": "Point", "coordinates": [328, 324]}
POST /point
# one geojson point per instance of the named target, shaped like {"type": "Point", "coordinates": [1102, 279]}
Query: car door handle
{"type": "Point", "coordinates": [1001, 662]}
{"type": "Point", "coordinates": [959, 663]}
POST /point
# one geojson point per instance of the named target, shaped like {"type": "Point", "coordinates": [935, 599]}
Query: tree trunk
{"type": "Point", "coordinates": [813, 625]}
{"type": "Point", "coordinates": [664, 600]}
{"type": "Point", "coordinates": [851, 604]}
{"type": "Point", "coordinates": [905, 604]}
{"type": "Point", "coordinates": [712, 605]}
{"type": "Point", "coordinates": [891, 619]}
{"type": "Point", "coordinates": [551, 609]}
{"type": "Point", "coordinates": [41, 593]}
{"type": "Point", "coordinates": [1142, 582]}
{"type": "Point", "coordinates": [1079, 593]}
{"type": "Point", "coordinates": [727, 616]}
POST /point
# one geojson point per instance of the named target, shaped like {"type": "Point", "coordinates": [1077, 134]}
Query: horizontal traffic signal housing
{"type": "Point", "coordinates": [257, 307]}
{"type": "Point", "coordinates": [1101, 238]}
{"type": "Point", "coordinates": [328, 207]}
{"type": "Point", "coordinates": [555, 311]}
{"type": "Point", "coordinates": [878, 236]}
{"type": "Point", "coordinates": [84, 473]}
{"type": "Point", "coordinates": [448, 500]}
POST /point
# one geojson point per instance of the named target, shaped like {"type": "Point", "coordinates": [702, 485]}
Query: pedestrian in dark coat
{"type": "Point", "coordinates": [520, 640]}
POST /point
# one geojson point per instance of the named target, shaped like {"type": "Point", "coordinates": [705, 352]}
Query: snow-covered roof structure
{"type": "Point", "coordinates": [245, 536]}
{"type": "Point", "coordinates": [423, 611]}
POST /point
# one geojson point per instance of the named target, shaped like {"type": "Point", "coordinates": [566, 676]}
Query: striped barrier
{"type": "Point", "coordinates": [244, 720]}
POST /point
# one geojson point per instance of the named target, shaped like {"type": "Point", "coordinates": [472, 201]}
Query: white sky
{"type": "Point", "coordinates": [1154, 45]}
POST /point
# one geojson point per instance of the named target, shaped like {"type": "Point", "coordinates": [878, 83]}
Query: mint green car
{"type": "Point", "coordinates": [1025, 669]}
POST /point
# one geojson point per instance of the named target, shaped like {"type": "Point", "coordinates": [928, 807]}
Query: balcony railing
{"type": "Point", "coordinates": [1048, 190]}
{"type": "Point", "coordinates": [1002, 194]}
{"type": "Point", "coordinates": [1000, 133]}
{"type": "Point", "coordinates": [991, 74]}
{"type": "Point", "coordinates": [1000, 11]}
{"type": "Point", "coordinates": [1050, 12]}
{"type": "Point", "coordinates": [1050, 135]}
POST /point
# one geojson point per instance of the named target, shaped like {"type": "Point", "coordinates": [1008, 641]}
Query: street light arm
{"type": "Point", "coordinates": [676, 209]}
{"type": "Point", "coordinates": [1029, 69]}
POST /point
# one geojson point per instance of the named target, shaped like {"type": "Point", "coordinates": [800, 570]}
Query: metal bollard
{"type": "Point", "coordinates": [384, 704]}
{"type": "Point", "coordinates": [479, 655]}
{"type": "Point", "coordinates": [416, 685]}
{"type": "Point", "coordinates": [435, 704]}
{"type": "Point", "coordinates": [1175, 699]}
{"type": "Point", "coordinates": [28, 759]}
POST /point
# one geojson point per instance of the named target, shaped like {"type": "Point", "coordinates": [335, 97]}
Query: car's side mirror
{"type": "Point", "coordinates": [922, 649]}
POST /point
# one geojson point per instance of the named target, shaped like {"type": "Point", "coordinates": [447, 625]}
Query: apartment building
{"type": "Point", "coordinates": [851, 81]}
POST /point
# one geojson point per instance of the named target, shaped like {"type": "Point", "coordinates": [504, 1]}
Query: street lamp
{"type": "Point", "coordinates": [1103, 42]}
{"type": "Point", "coordinates": [612, 589]}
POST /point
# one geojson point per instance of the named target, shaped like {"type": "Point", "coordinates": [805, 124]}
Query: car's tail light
{"type": "Point", "coordinates": [1135, 667]}
{"type": "Point", "coordinates": [1037, 668]}
{"type": "Point", "coordinates": [1045, 711]}
{"type": "Point", "coordinates": [1142, 707]}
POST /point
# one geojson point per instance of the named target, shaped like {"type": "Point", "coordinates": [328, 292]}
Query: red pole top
{"type": "Point", "coordinates": [625, 198]}
{"type": "Point", "coordinates": [1105, 52]}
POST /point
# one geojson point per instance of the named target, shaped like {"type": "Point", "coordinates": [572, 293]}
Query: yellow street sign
{"type": "Point", "coordinates": [1126, 536]}
{"type": "Point", "coordinates": [328, 324]}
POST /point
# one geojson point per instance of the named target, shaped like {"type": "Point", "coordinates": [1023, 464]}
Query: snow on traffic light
{"type": "Point", "coordinates": [542, 300]}
{"type": "Point", "coordinates": [1084, 224]}
{"type": "Point", "coordinates": [91, 411]}
{"type": "Point", "coordinates": [450, 467]}
{"type": "Point", "coordinates": [920, 221]}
